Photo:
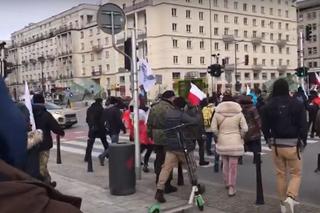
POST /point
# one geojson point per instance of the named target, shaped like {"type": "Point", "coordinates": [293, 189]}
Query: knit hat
{"type": "Point", "coordinates": [168, 94]}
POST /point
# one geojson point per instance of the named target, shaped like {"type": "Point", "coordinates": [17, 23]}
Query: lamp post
{"type": "Point", "coordinates": [41, 59]}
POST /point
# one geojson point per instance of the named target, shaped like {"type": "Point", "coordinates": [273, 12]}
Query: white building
{"type": "Point", "coordinates": [309, 14]}
{"type": "Point", "coordinates": [177, 37]}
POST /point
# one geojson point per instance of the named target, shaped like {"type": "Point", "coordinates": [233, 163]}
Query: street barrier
{"type": "Point", "coordinates": [122, 177]}
{"type": "Point", "coordinates": [89, 167]}
{"type": "Point", "coordinates": [259, 188]}
{"type": "Point", "coordinates": [58, 150]}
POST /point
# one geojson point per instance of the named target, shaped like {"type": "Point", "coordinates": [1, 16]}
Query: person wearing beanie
{"type": "Point", "coordinates": [284, 126]}
{"type": "Point", "coordinates": [46, 122]}
{"type": "Point", "coordinates": [155, 130]}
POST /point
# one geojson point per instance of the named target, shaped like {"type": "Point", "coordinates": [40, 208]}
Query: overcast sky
{"type": "Point", "coordinates": [15, 14]}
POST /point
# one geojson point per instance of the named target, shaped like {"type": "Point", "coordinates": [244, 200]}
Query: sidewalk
{"type": "Point", "coordinates": [73, 179]}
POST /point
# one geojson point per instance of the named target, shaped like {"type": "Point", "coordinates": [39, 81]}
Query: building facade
{"type": "Point", "coordinates": [177, 37]}
{"type": "Point", "coordinates": [309, 14]}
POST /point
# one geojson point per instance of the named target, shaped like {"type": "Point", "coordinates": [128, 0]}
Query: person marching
{"type": "Point", "coordinates": [229, 124]}
{"type": "Point", "coordinates": [285, 128]}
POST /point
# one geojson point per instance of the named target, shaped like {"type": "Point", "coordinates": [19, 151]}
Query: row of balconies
{"type": "Point", "coordinates": [40, 59]}
{"type": "Point", "coordinates": [255, 40]}
{"type": "Point", "coordinates": [255, 67]}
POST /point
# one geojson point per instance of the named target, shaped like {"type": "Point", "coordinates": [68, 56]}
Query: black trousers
{"type": "Point", "coordinates": [148, 153]}
{"type": "Point", "coordinates": [90, 143]}
{"type": "Point", "coordinates": [201, 149]}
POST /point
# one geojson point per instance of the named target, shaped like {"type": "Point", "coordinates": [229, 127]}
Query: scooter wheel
{"type": "Point", "coordinates": [200, 202]}
{"type": "Point", "coordinates": [154, 209]}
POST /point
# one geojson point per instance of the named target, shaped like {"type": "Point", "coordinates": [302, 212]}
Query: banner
{"type": "Point", "coordinates": [146, 77]}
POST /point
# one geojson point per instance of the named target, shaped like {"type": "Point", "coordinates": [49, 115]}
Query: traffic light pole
{"type": "Point", "coordinates": [301, 55]}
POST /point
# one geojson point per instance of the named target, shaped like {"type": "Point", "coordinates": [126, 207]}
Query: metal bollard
{"type": "Point", "coordinates": [318, 165]}
{"type": "Point", "coordinates": [259, 188]}
{"type": "Point", "coordinates": [89, 168]}
{"type": "Point", "coordinates": [58, 150]}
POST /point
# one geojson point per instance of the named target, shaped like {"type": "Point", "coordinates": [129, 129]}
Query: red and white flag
{"type": "Point", "coordinates": [195, 95]}
{"type": "Point", "coordinates": [317, 78]}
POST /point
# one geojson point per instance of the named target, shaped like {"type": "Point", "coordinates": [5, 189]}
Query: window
{"type": "Point", "coordinates": [244, 7]}
{"type": "Point", "coordinates": [225, 4]}
{"type": "Point", "coordinates": [188, 1]}
{"type": "Point", "coordinates": [92, 57]}
{"type": "Point", "coordinates": [236, 33]}
{"type": "Point", "coordinates": [280, 50]}
{"type": "Point", "coordinates": [189, 60]}
{"type": "Point", "coordinates": [263, 35]}
{"type": "Point", "coordinates": [309, 50]}
{"type": "Point", "coordinates": [247, 76]}
{"type": "Point", "coordinates": [279, 36]}
{"type": "Point", "coordinates": [245, 34]}
{"type": "Point", "coordinates": [254, 34]}
{"type": "Point", "coordinates": [225, 18]}
{"type": "Point", "coordinates": [271, 11]}
{"type": "Point", "coordinates": [200, 1]}
{"type": "Point", "coordinates": [262, 10]}
{"type": "Point", "coordinates": [82, 46]}
{"type": "Point", "coordinates": [254, 10]}
{"type": "Point", "coordinates": [264, 62]}
{"type": "Point", "coordinates": [188, 28]}
{"type": "Point", "coordinates": [176, 75]}
{"type": "Point", "coordinates": [271, 24]}
{"type": "Point", "coordinates": [216, 31]}
{"type": "Point", "coordinates": [237, 47]}
{"type": "Point", "coordinates": [201, 44]}
{"type": "Point", "coordinates": [81, 34]}
{"type": "Point", "coordinates": [175, 43]}
{"type": "Point", "coordinates": [271, 49]}
{"type": "Point", "coordinates": [310, 64]}
{"type": "Point", "coordinates": [279, 25]}
{"type": "Point", "coordinates": [264, 49]}
{"type": "Point", "coordinates": [83, 58]}
{"type": "Point", "coordinates": [262, 23]}
{"type": "Point", "coordinates": [279, 12]}
{"type": "Point", "coordinates": [106, 40]}
{"type": "Point", "coordinates": [201, 60]}
{"type": "Point", "coordinates": [254, 22]}
{"type": "Point", "coordinates": [189, 44]}
{"type": "Point", "coordinates": [175, 59]}
{"type": "Point", "coordinates": [254, 47]}
{"type": "Point", "coordinates": [108, 67]}
{"type": "Point", "coordinates": [272, 62]}
{"type": "Point", "coordinates": [201, 29]}
{"type": "Point", "coordinates": [107, 54]}
{"type": "Point", "coordinates": [174, 12]}
{"type": "Point", "coordinates": [174, 27]}
{"type": "Point", "coordinates": [215, 3]}
{"type": "Point", "coordinates": [90, 32]}
{"type": "Point", "coordinates": [288, 50]}
{"type": "Point", "coordinates": [216, 46]}
{"type": "Point", "coordinates": [235, 5]}
{"type": "Point", "coordinates": [200, 15]}
{"type": "Point", "coordinates": [315, 64]}
{"type": "Point", "coordinates": [315, 51]}
{"type": "Point", "coordinates": [215, 17]}
{"type": "Point", "coordinates": [226, 46]}
{"type": "Point", "coordinates": [287, 38]}
{"type": "Point", "coordinates": [271, 36]}
{"type": "Point", "coordinates": [245, 21]}
{"type": "Point", "coordinates": [314, 26]}
{"type": "Point", "coordinates": [288, 62]}
{"type": "Point", "coordinates": [226, 31]}
{"type": "Point", "coordinates": [287, 14]}
{"type": "Point", "coordinates": [287, 26]}
{"type": "Point", "coordinates": [235, 19]}
{"type": "Point", "coordinates": [264, 76]}
{"type": "Point", "coordinates": [188, 14]}
{"type": "Point", "coordinates": [280, 62]}
{"type": "Point", "coordinates": [256, 76]}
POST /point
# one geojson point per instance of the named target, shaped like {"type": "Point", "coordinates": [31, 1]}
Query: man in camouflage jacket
{"type": "Point", "coordinates": [156, 125]}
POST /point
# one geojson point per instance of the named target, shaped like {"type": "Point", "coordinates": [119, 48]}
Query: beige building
{"type": "Point", "coordinates": [309, 14]}
{"type": "Point", "coordinates": [177, 37]}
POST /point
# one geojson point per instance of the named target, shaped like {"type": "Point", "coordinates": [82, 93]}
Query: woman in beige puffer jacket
{"type": "Point", "coordinates": [229, 124]}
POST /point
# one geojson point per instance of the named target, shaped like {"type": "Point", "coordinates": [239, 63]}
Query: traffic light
{"type": "Point", "coordinates": [215, 70]}
{"type": "Point", "coordinates": [8, 68]}
{"type": "Point", "coordinates": [246, 59]}
{"type": "Point", "coordinates": [302, 71]}
{"type": "Point", "coordinates": [308, 32]}
{"type": "Point", "coordinates": [128, 51]}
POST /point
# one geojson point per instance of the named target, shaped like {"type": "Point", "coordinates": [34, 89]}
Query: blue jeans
{"type": "Point", "coordinates": [209, 141]}
{"type": "Point", "coordinates": [114, 138]}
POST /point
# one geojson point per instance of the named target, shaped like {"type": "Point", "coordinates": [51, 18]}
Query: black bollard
{"type": "Point", "coordinates": [259, 188]}
{"type": "Point", "coordinates": [58, 150]}
{"type": "Point", "coordinates": [89, 168]}
{"type": "Point", "coordinates": [318, 165]}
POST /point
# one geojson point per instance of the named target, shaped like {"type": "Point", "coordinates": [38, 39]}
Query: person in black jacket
{"type": "Point", "coordinates": [46, 122]}
{"type": "Point", "coordinates": [96, 130]}
{"type": "Point", "coordinates": [284, 126]}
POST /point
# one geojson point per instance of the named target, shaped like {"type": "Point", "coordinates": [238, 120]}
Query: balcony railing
{"type": "Point", "coordinates": [138, 5]}
{"type": "Point", "coordinates": [281, 43]}
{"type": "Point", "coordinates": [97, 48]}
{"type": "Point", "coordinates": [96, 73]}
{"type": "Point", "coordinates": [257, 67]}
{"type": "Point", "coordinates": [282, 68]}
{"type": "Point", "coordinates": [256, 40]}
{"type": "Point", "coordinates": [228, 38]}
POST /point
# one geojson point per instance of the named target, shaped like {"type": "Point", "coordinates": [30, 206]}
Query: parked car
{"type": "Point", "coordinates": [65, 117]}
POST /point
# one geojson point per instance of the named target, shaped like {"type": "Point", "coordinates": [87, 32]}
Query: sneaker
{"type": "Point", "coordinates": [101, 160]}
{"type": "Point", "coordinates": [231, 191]}
{"type": "Point", "coordinates": [169, 189]}
{"type": "Point", "coordinates": [203, 163]}
{"type": "Point", "coordinates": [289, 204]}
{"type": "Point", "coordinates": [159, 196]}
{"type": "Point", "coordinates": [283, 208]}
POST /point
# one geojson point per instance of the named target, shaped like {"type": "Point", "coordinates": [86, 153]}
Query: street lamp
{"type": "Point", "coordinates": [42, 59]}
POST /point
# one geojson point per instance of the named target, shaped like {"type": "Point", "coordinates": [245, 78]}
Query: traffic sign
{"type": "Point", "coordinates": [111, 16]}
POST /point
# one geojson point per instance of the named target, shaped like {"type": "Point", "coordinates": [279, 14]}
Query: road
{"type": "Point", "coordinates": [74, 143]}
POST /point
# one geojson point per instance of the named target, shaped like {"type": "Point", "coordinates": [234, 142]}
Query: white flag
{"type": "Point", "coordinates": [317, 78]}
{"type": "Point", "coordinates": [248, 90]}
{"type": "Point", "coordinates": [146, 77]}
{"type": "Point", "coordinates": [27, 102]}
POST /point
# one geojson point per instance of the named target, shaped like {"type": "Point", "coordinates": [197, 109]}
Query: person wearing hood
{"type": "Point", "coordinates": [229, 125]}
{"type": "Point", "coordinates": [46, 122]}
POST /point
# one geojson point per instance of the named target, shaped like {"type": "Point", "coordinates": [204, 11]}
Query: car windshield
{"type": "Point", "coordinates": [52, 106]}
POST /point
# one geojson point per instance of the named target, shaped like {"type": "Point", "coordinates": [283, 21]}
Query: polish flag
{"type": "Point", "coordinates": [317, 78]}
{"type": "Point", "coordinates": [195, 95]}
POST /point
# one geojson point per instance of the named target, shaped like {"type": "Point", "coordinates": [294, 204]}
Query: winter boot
{"type": "Point", "coordinates": [159, 196]}
{"type": "Point", "coordinates": [145, 169]}
{"type": "Point", "coordinates": [169, 188]}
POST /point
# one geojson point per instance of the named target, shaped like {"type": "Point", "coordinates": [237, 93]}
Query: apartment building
{"type": "Point", "coordinates": [177, 37]}
{"type": "Point", "coordinates": [180, 36]}
{"type": "Point", "coordinates": [309, 14]}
